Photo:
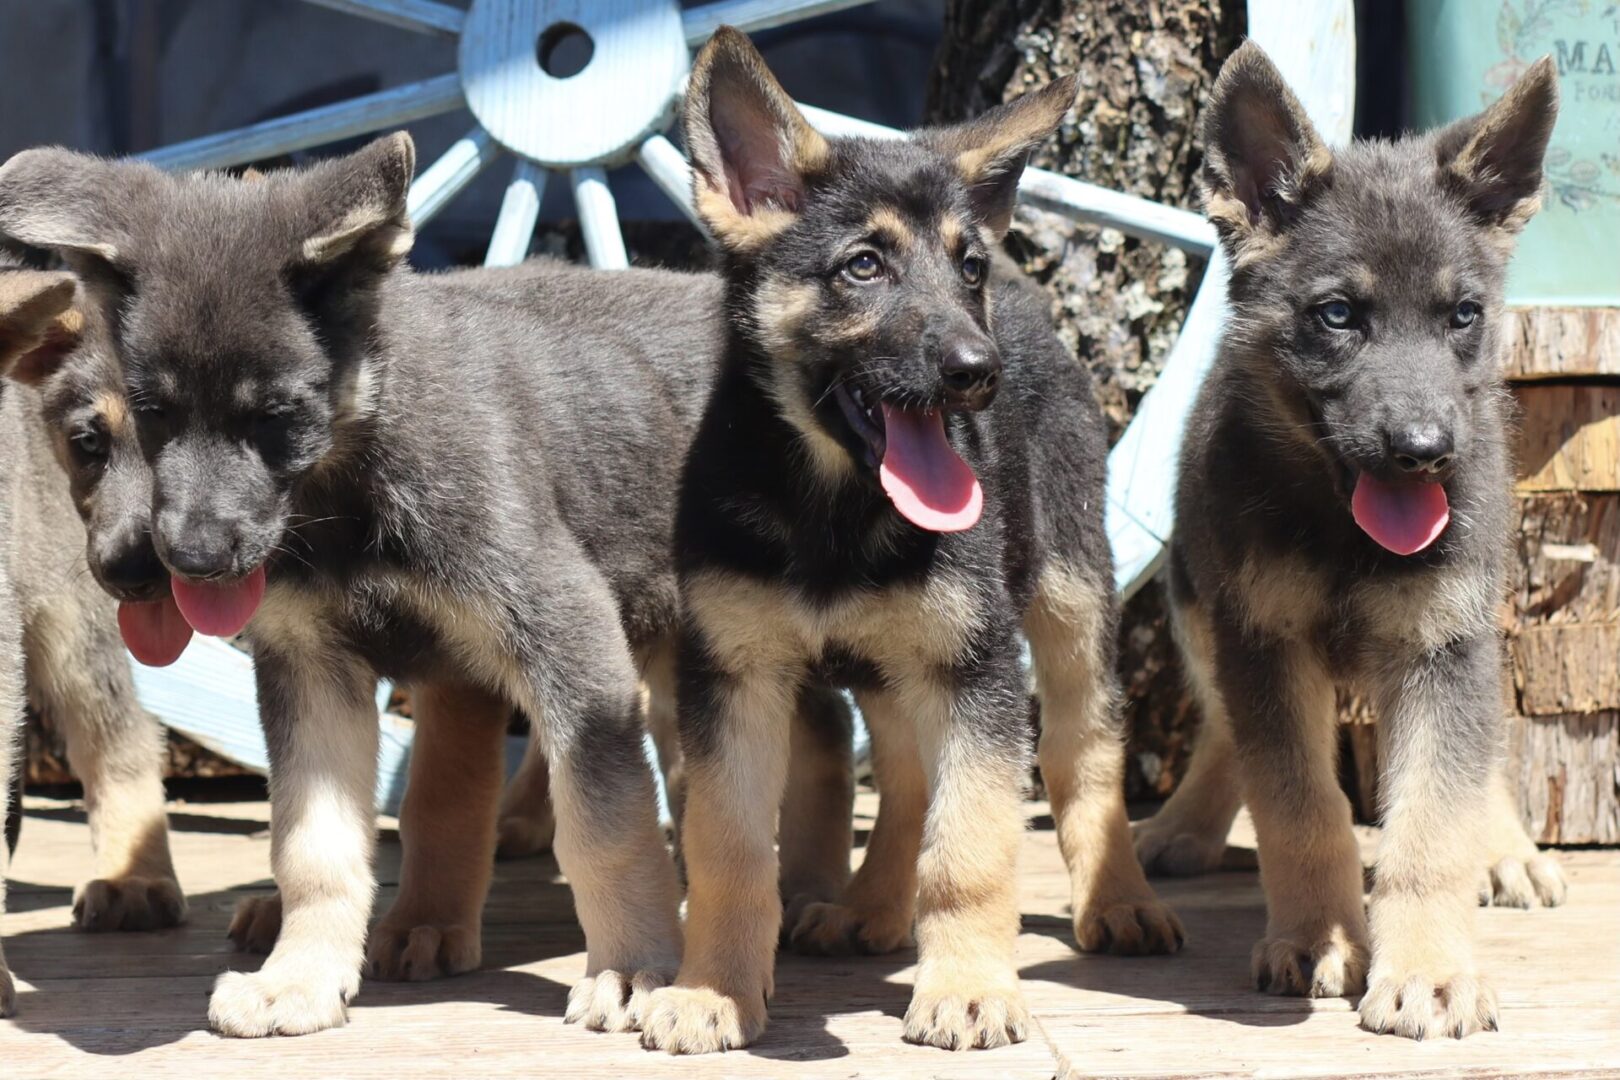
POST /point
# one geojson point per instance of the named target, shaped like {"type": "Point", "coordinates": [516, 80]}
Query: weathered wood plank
{"type": "Point", "coordinates": [134, 1004]}
{"type": "Point", "coordinates": [1569, 437]}
{"type": "Point", "coordinates": [1549, 343]}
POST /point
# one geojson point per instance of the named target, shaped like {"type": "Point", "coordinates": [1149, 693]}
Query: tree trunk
{"type": "Point", "coordinates": [1145, 68]}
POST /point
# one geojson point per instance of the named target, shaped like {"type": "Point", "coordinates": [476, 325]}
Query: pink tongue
{"type": "Point", "coordinates": [155, 633]}
{"type": "Point", "coordinates": [928, 483]}
{"type": "Point", "coordinates": [1405, 518]}
{"type": "Point", "coordinates": [219, 609]}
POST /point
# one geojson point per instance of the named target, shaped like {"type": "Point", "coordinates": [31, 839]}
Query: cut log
{"type": "Point", "coordinates": [1568, 565]}
{"type": "Point", "coordinates": [1566, 770]}
{"type": "Point", "coordinates": [1549, 343]}
{"type": "Point", "coordinates": [1567, 668]}
{"type": "Point", "coordinates": [1569, 437]}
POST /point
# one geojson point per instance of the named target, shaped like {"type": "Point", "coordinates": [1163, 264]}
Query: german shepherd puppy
{"type": "Point", "coordinates": [854, 509]}
{"type": "Point", "coordinates": [1342, 517]}
{"type": "Point", "coordinates": [383, 474]}
{"type": "Point", "coordinates": [75, 670]}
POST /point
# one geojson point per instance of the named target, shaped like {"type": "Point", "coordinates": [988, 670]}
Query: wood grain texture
{"type": "Point", "coordinates": [132, 1005]}
{"type": "Point", "coordinates": [1567, 668]}
{"type": "Point", "coordinates": [1568, 564]}
{"type": "Point", "coordinates": [1550, 343]}
{"type": "Point", "coordinates": [1569, 437]}
{"type": "Point", "coordinates": [1567, 772]}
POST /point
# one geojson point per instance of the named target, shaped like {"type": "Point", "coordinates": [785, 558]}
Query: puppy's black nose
{"type": "Point", "coordinates": [1421, 448]}
{"type": "Point", "coordinates": [203, 549]}
{"type": "Point", "coordinates": [133, 568]}
{"type": "Point", "coordinates": [971, 371]}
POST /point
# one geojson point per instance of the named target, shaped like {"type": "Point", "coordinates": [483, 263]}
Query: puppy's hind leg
{"type": "Point", "coordinates": [875, 912]}
{"type": "Point", "coordinates": [79, 675]}
{"type": "Point", "coordinates": [580, 683]}
{"type": "Point", "coordinates": [1516, 873]}
{"type": "Point", "coordinates": [1188, 834]}
{"type": "Point", "coordinates": [527, 822]}
{"type": "Point", "coordinates": [1070, 628]}
{"type": "Point", "coordinates": [320, 724]}
{"type": "Point", "coordinates": [816, 825]}
{"type": "Point", "coordinates": [447, 829]}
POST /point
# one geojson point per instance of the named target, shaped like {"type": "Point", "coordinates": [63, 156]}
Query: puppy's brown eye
{"type": "Point", "coordinates": [1466, 313]}
{"type": "Point", "coordinates": [973, 270]}
{"type": "Point", "coordinates": [864, 267]}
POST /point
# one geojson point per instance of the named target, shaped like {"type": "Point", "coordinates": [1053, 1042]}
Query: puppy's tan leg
{"type": "Point", "coordinates": [447, 830]}
{"type": "Point", "coordinates": [1281, 703]}
{"type": "Point", "coordinates": [527, 823]}
{"type": "Point", "coordinates": [1517, 874]}
{"type": "Point", "coordinates": [735, 735]}
{"type": "Point", "coordinates": [817, 821]}
{"type": "Point", "coordinates": [875, 912]}
{"type": "Point", "coordinates": [1188, 834]}
{"type": "Point", "coordinates": [1439, 729]}
{"type": "Point", "coordinates": [80, 677]}
{"type": "Point", "coordinates": [973, 744]}
{"type": "Point", "coordinates": [11, 719]}
{"type": "Point", "coordinates": [1082, 756]}
{"type": "Point", "coordinates": [320, 722]}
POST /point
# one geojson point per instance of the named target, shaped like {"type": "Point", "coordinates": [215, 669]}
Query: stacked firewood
{"type": "Point", "coordinates": [1564, 622]}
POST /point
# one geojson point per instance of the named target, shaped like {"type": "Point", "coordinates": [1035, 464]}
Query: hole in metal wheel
{"type": "Point", "coordinates": [564, 50]}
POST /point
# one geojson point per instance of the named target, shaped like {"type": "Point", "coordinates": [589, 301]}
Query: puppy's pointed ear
{"type": "Point", "coordinates": [750, 146]}
{"type": "Point", "coordinates": [69, 202]}
{"type": "Point", "coordinates": [1493, 161]}
{"type": "Point", "coordinates": [357, 204]}
{"type": "Point", "coordinates": [991, 151]}
{"type": "Point", "coordinates": [38, 324]}
{"type": "Point", "coordinates": [1262, 157]}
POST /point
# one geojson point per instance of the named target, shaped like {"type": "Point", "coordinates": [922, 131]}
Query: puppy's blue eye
{"type": "Point", "coordinates": [1336, 315]}
{"type": "Point", "coordinates": [864, 267]}
{"type": "Point", "coordinates": [973, 270]}
{"type": "Point", "coordinates": [90, 443]}
{"type": "Point", "coordinates": [1466, 313]}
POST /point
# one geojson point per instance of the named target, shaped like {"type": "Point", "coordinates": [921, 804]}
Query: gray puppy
{"type": "Point", "coordinates": [379, 473]}
{"type": "Point", "coordinates": [1342, 517]}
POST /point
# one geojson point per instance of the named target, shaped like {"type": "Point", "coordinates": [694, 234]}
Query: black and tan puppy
{"type": "Point", "coordinates": [899, 471]}
{"type": "Point", "coordinates": [1342, 517]}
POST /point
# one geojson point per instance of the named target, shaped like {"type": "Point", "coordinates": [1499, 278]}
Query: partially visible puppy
{"type": "Point", "coordinates": [1342, 517]}
{"type": "Point", "coordinates": [76, 670]}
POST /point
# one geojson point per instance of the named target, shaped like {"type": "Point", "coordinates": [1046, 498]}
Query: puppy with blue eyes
{"type": "Point", "coordinates": [1342, 518]}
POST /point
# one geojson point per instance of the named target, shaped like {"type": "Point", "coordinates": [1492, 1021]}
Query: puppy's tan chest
{"type": "Point", "coordinates": [752, 625]}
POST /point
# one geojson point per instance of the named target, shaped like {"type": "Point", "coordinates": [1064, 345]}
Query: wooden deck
{"type": "Point", "coordinates": [133, 1005]}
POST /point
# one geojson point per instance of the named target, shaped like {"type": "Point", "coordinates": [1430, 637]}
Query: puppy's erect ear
{"type": "Point", "coordinates": [69, 202]}
{"type": "Point", "coordinates": [38, 324]}
{"type": "Point", "coordinates": [1262, 157]}
{"type": "Point", "coordinates": [991, 151]}
{"type": "Point", "coordinates": [750, 146]}
{"type": "Point", "coordinates": [1493, 160]}
{"type": "Point", "coordinates": [356, 204]}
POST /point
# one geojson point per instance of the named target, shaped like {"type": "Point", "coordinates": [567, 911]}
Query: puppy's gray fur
{"type": "Point", "coordinates": [1366, 292]}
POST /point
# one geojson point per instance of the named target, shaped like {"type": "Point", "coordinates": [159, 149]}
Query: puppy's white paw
{"type": "Point", "coordinates": [612, 1000]}
{"type": "Point", "coordinates": [963, 1017]}
{"type": "Point", "coordinates": [696, 1020]}
{"type": "Point", "coordinates": [1418, 1006]}
{"type": "Point", "coordinates": [289, 999]}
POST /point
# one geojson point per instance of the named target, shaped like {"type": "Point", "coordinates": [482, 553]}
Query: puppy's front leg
{"type": "Point", "coordinates": [1440, 720]}
{"type": "Point", "coordinates": [734, 736]}
{"type": "Point", "coordinates": [1281, 703]}
{"type": "Point", "coordinates": [973, 739]}
{"type": "Point", "coordinates": [320, 724]}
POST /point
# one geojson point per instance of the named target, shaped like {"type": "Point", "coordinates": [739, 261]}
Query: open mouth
{"type": "Point", "coordinates": [1403, 516]}
{"type": "Point", "coordinates": [922, 474]}
{"type": "Point", "coordinates": [156, 632]}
